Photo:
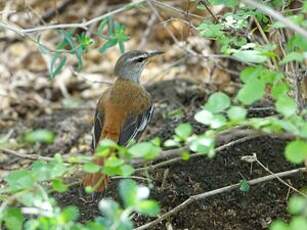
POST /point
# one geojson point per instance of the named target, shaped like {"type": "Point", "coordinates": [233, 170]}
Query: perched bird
{"type": "Point", "coordinates": [123, 111]}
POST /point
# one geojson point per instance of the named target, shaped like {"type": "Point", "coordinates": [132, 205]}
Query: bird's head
{"type": "Point", "coordinates": [131, 64]}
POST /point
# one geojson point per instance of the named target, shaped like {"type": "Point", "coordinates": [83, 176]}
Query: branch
{"type": "Point", "coordinates": [227, 138]}
{"type": "Point", "coordinates": [205, 195]}
{"type": "Point", "coordinates": [83, 25]}
{"type": "Point", "coordinates": [277, 16]}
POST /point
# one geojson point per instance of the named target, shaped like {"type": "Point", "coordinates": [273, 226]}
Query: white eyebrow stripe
{"type": "Point", "coordinates": [139, 56]}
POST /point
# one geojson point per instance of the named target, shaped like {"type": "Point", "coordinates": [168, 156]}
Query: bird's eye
{"type": "Point", "coordinates": [141, 59]}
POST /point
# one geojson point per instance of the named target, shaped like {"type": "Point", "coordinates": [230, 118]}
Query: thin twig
{"type": "Point", "coordinates": [176, 152]}
{"type": "Point", "coordinates": [277, 16]}
{"type": "Point", "coordinates": [204, 195]}
{"type": "Point", "coordinates": [209, 10]}
{"type": "Point", "coordinates": [25, 156]}
{"type": "Point", "coordinates": [83, 25]}
{"type": "Point", "coordinates": [278, 178]}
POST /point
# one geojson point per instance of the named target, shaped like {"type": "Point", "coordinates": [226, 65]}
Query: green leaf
{"type": "Point", "coordinates": [250, 56]}
{"type": "Point", "coordinates": [185, 156]}
{"type": "Point", "coordinates": [184, 130]}
{"type": "Point", "coordinates": [70, 213]}
{"type": "Point", "coordinates": [108, 44]}
{"type": "Point", "coordinates": [57, 63]}
{"type": "Point", "coordinates": [250, 73]}
{"type": "Point", "coordinates": [244, 185]}
{"type": "Point", "coordinates": [48, 170]}
{"type": "Point", "coordinates": [205, 117]}
{"type": "Point", "coordinates": [203, 145]}
{"type": "Point", "coordinates": [128, 192]}
{"type": "Point", "coordinates": [251, 91]}
{"type": "Point", "coordinates": [279, 89]}
{"type": "Point", "coordinates": [20, 179]}
{"type": "Point", "coordinates": [113, 161]}
{"type": "Point", "coordinates": [108, 207]}
{"type": "Point", "coordinates": [292, 56]}
{"type": "Point", "coordinates": [230, 3]}
{"type": "Point", "coordinates": [210, 30]}
{"type": "Point", "coordinates": [296, 205]}
{"type": "Point", "coordinates": [121, 46]}
{"type": "Point", "coordinates": [171, 143]}
{"type": "Point", "coordinates": [303, 130]}
{"type": "Point", "coordinates": [127, 170]}
{"type": "Point", "coordinates": [59, 186]}
{"type": "Point", "coordinates": [296, 151]}
{"type": "Point", "coordinates": [90, 167]}
{"type": "Point", "coordinates": [236, 113]}
{"type": "Point", "coordinates": [285, 105]}
{"type": "Point", "coordinates": [217, 102]}
{"type": "Point", "coordinates": [279, 225]}
{"type": "Point", "coordinates": [146, 150]}
{"type": "Point", "coordinates": [102, 25]}
{"type": "Point", "coordinates": [13, 219]}
{"type": "Point", "coordinates": [148, 207]}
{"type": "Point", "coordinates": [40, 135]}
{"type": "Point", "coordinates": [298, 222]}
{"type": "Point", "coordinates": [218, 121]}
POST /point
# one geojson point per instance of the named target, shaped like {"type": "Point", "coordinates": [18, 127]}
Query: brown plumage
{"type": "Point", "coordinates": [123, 111]}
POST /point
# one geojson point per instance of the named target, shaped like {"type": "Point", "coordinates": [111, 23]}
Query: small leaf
{"type": "Point", "coordinates": [202, 144]}
{"type": "Point", "coordinates": [292, 56]}
{"type": "Point", "coordinates": [244, 185]}
{"type": "Point", "coordinates": [298, 222]}
{"type": "Point", "coordinates": [20, 179]}
{"type": "Point", "coordinates": [102, 25]}
{"type": "Point", "coordinates": [108, 207]}
{"type": "Point", "coordinates": [171, 143]}
{"type": "Point", "coordinates": [113, 162]}
{"type": "Point", "coordinates": [237, 113]}
{"type": "Point", "coordinates": [251, 91]}
{"type": "Point", "coordinates": [250, 73]}
{"type": "Point", "coordinates": [57, 63]}
{"type": "Point", "coordinates": [217, 102]}
{"type": "Point", "coordinates": [279, 89]}
{"type": "Point", "coordinates": [296, 151]}
{"type": "Point", "coordinates": [185, 156]}
{"type": "Point", "coordinates": [296, 205]}
{"type": "Point", "coordinates": [147, 150]}
{"type": "Point", "coordinates": [40, 135]}
{"type": "Point", "coordinates": [279, 225]}
{"type": "Point", "coordinates": [218, 121]}
{"type": "Point", "coordinates": [127, 170]}
{"type": "Point", "coordinates": [250, 56]}
{"type": "Point", "coordinates": [90, 167]}
{"type": "Point", "coordinates": [184, 130]}
{"type": "Point", "coordinates": [128, 192]}
{"type": "Point", "coordinates": [205, 117]}
{"type": "Point", "coordinates": [13, 219]}
{"type": "Point", "coordinates": [107, 45]}
{"type": "Point", "coordinates": [285, 105]}
{"type": "Point", "coordinates": [59, 186]}
{"type": "Point", "coordinates": [69, 213]}
{"type": "Point", "coordinates": [148, 207]}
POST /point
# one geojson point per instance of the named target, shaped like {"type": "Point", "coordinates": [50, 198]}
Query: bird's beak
{"type": "Point", "coordinates": [154, 53]}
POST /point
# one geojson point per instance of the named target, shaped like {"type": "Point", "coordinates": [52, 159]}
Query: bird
{"type": "Point", "coordinates": [123, 110]}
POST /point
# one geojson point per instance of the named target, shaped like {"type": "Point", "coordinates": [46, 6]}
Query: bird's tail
{"type": "Point", "coordinates": [98, 181]}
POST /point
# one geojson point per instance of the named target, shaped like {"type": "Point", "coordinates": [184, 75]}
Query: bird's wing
{"type": "Point", "coordinates": [134, 126]}
{"type": "Point", "coordinates": [97, 128]}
